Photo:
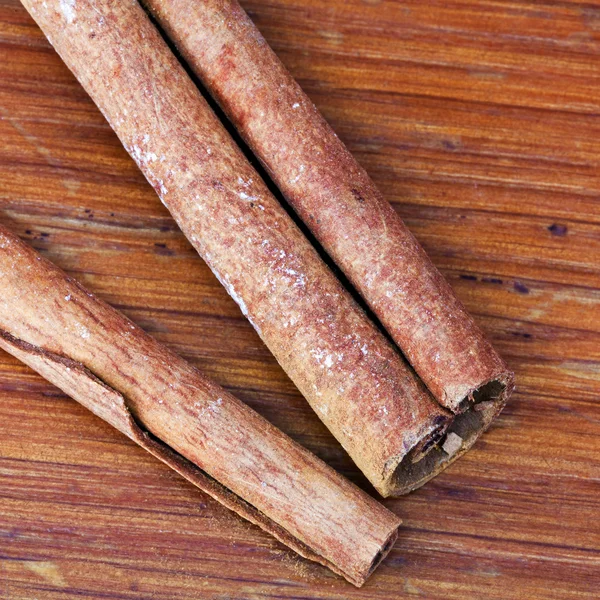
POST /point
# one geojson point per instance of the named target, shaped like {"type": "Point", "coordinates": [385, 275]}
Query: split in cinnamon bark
{"type": "Point", "coordinates": [338, 201]}
{"type": "Point", "coordinates": [108, 364]}
{"type": "Point", "coordinates": [357, 383]}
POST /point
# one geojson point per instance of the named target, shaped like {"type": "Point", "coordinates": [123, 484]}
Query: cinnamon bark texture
{"type": "Point", "coordinates": [103, 360]}
{"type": "Point", "coordinates": [353, 378]}
{"type": "Point", "coordinates": [336, 198]}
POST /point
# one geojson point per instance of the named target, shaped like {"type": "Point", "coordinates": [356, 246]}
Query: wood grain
{"type": "Point", "coordinates": [479, 121]}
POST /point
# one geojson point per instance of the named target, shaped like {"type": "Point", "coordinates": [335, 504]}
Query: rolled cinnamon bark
{"type": "Point", "coordinates": [353, 378]}
{"type": "Point", "coordinates": [338, 201]}
{"type": "Point", "coordinates": [103, 360]}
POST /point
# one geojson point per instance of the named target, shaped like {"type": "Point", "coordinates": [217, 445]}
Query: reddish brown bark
{"type": "Point", "coordinates": [353, 378]}
{"type": "Point", "coordinates": [335, 197]}
{"type": "Point", "coordinates": [103, 360]}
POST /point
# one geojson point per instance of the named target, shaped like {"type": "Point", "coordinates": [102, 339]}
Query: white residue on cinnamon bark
{"type": "Point", "coordinates": [67, 7]}
{"type": "Point", "coordinates": [83, 331]}
{"type": "Point", "coordinates": [323, 359]}
{"type": "Point", "coordinates": [248, 197]}
{"type": "Point", "coordinates": [226, 283]}
{"type": "Point", "coordinates": [301, 170]}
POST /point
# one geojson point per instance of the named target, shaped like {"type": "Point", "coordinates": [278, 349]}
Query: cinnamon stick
{"type": "Point", "coordinates": [335, 197]}
{"type": "Point", "coordinates": [103, 360]}
{"type": "Point", "coordinates": [354, 379]}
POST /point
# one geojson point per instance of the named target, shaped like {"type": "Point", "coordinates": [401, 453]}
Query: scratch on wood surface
{"type": "Point", "coordinates": [29, 138]}
{"type": "Point", "coordinates": [48, 571]}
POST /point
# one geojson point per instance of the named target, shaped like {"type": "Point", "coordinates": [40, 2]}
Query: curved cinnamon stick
{"type": "Point", "coordinates": [336, 198]}
{"type": "Point", "coordinates": [103, 360]}
{"type": "Point", "coordinates": [353, 378]}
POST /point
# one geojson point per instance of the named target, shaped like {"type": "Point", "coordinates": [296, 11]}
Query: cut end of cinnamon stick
{"type": "Point", "coordinates": [448, 442]}
{"type": "Point", "coordinates": [385, 550]}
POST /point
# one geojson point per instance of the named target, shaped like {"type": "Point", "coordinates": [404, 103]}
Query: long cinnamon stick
{"type": "Point", "coordinates": [103, 360]}
{"type": "Point", "coordinates": [336, 198]}
{"type": "Point", "coordinates": [353, 378]}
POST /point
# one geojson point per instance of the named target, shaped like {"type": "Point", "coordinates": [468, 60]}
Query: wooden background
{"type": "Point", "coordinates": [481, 122]}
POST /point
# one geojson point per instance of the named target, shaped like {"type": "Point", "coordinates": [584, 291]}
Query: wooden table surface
{"type": "Point", "coordinates": [480, 121]}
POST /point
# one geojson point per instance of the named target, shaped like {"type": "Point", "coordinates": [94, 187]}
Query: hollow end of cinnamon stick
{"type": "Point", "coordinates": [450, 441]}
{"type": "Point", "coordinates": [381, 554]}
